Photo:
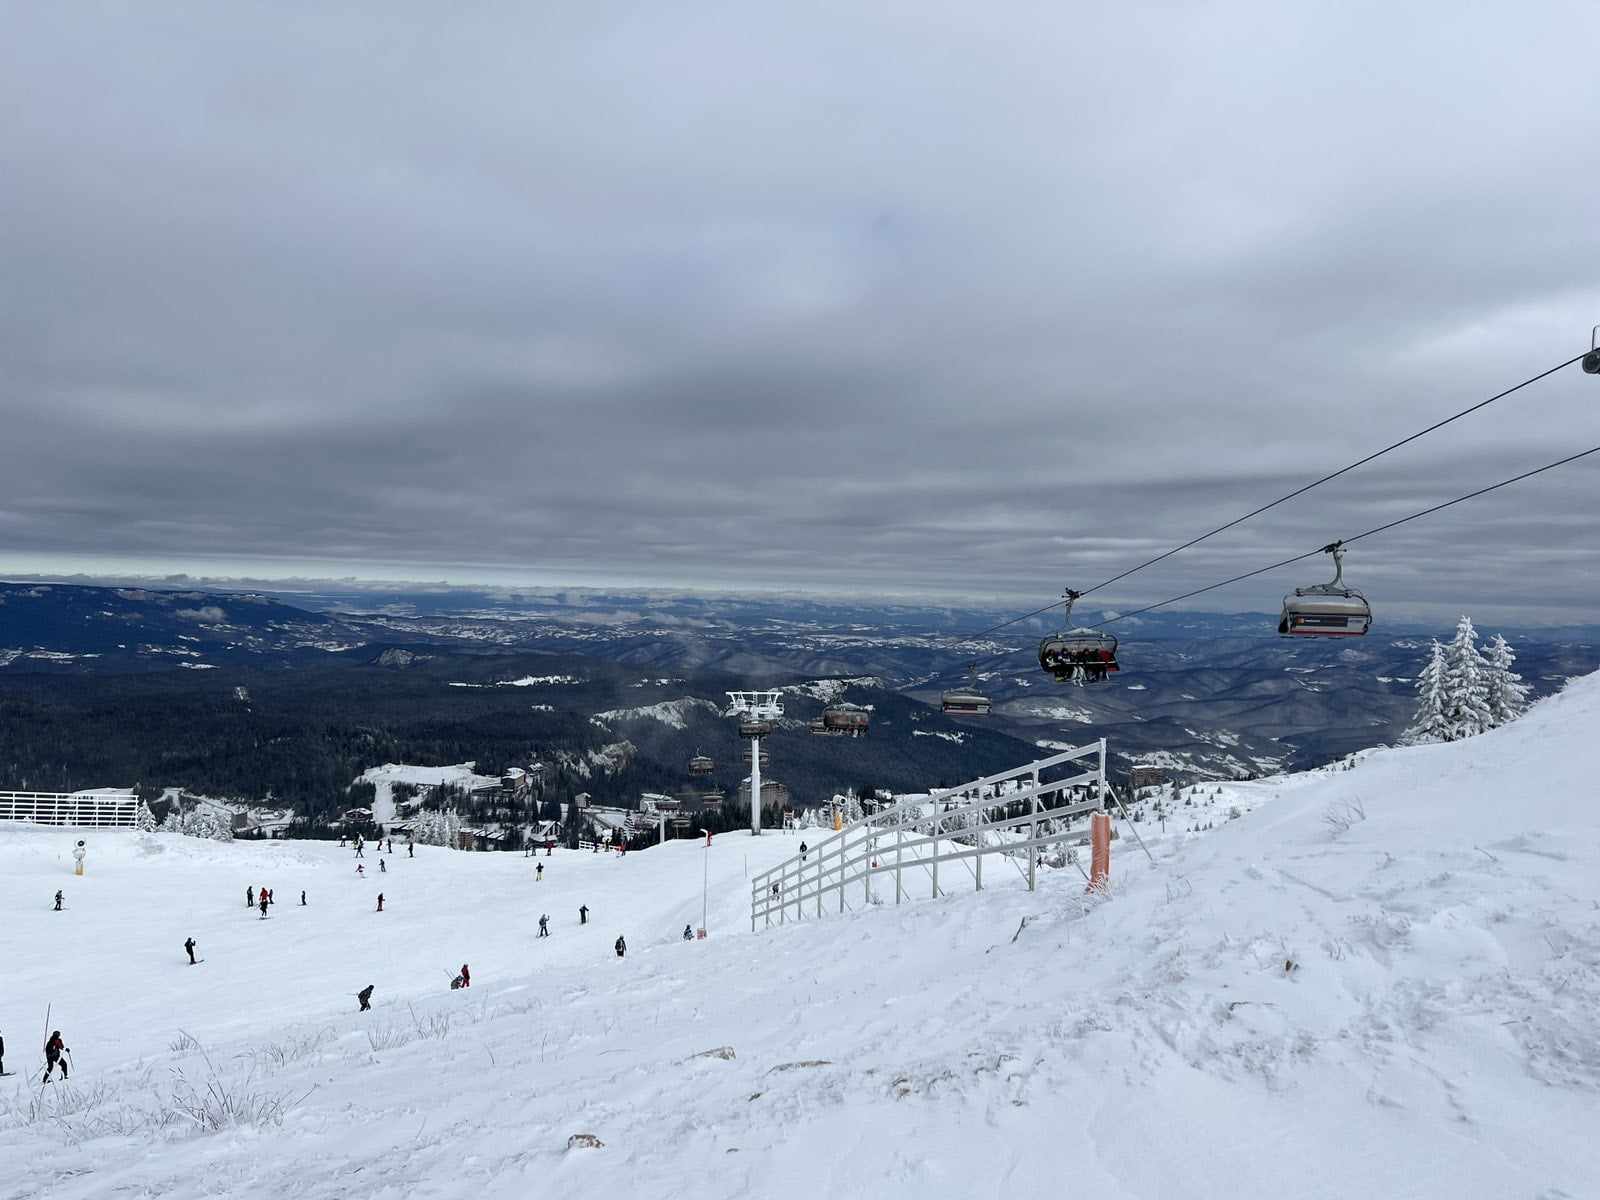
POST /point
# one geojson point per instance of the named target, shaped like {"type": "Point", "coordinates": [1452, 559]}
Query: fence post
{"type": "Point", "coordinates": [899, 833]}
{"type": "Point", "coordinates": [937, 823]}
{"type": "Point", "coordinates": [1033, 833]}
{"type": "Point", "coordinates": [819, 882]}
{"type": "Point", "coordinates": [842, 840]}
{"type": "Point", "coordinates": [977, 840]}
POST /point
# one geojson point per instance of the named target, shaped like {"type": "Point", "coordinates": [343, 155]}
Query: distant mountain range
{"type": "Point", "coordinates": [1203, 695]}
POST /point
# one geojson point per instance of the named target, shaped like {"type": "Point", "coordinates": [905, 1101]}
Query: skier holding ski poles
{"type": "Point", "coordinates": [55, 1051]}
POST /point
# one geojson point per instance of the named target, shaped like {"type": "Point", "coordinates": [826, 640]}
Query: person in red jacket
{"type": "Point", "coordinates": [466, 976]}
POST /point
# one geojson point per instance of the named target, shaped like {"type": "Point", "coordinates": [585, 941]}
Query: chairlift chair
{"type": "Point", "coordinates": [1079, 655]}
{"type": "Point", "coordinates": [1591, 360]}
{"type": "Point", "coordinates": [967, 701]}
{"type": "Point", "coordinates": [845, 720]}
{"type": "Point", "coordinates": [1330, 609]}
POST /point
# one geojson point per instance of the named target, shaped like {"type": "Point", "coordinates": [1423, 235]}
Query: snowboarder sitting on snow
{"type": "Point", "coordinates": [688, 933]}
{"type": "Point", "coordinates": [365, 996]}
{"type": "Point", "coordinates": [622, 946]}
{"type": "Point", "coordinates": [58, 901]}
{"type": "Point", "coordinates": [189, 946]}
{"type": "Point", "coordinates": [53, 1051]}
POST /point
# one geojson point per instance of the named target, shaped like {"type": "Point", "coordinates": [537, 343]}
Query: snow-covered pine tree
{"type": "Point", "coordinates": [1428, 725]}
{"type": "Point", "coordinates": [144, 820]}
{"type": "Point", "coordinates": [1507, 694]}
{"type": "Point", "coordinates": [1466, 688]}
{"type": "Point", "coordinates": [174, 821]}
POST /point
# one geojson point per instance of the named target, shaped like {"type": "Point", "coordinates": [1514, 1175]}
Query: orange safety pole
{"type": "Point", "coordinates": [1099, 851]}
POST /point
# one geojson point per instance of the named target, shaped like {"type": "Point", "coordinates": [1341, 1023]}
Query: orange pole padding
{"type": "Point", "coordinates": [1099, 851]}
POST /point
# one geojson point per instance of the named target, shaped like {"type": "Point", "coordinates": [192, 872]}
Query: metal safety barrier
{"type": "Point", "coordinates": [959, 825]}
{"type": "Point", "coordinates": [90, 810]}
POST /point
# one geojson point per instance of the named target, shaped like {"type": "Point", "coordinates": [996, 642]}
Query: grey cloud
{"type": "Point", "coordinates": [901, 296]}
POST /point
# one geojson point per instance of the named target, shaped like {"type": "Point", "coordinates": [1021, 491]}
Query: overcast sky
{"type": "Point", "coordinates": [974, 300]}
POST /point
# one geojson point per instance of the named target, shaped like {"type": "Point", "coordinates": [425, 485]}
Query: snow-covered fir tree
{"type": "Point", "coordinates": [1507, 694]}
{"type": "Point", "coordinates": [174, 822]}
{"type": "Point", "coordinates": [144, 820]}
{"type": "Point", "coordinates": [1466, 685]}
{"type": "Point", "coordinates": [1429, 724]}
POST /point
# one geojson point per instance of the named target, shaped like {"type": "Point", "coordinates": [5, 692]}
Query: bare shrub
{"type": "Point", "coordinates": [1341, 815]}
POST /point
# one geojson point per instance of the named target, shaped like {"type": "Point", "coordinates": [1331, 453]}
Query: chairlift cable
{"type": "Point", "coordinates": [1483, 491]}
{"type": "Point", "coordinates": [1334, 475]}
{"type": "Point", "coordinates": [1377, 529]}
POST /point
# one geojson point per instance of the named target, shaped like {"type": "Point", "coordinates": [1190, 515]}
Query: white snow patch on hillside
{"type": "Point", "coordinates": [526, 681]}
{"type": "Point", "coordinates": [830, 690]}
{"type": "Point", "coordinates": [384, 778]}
{"type": "Point", "coordinates": [1045, 710]}
{"type": "Point", "coordinates": [1384, 982]}
{"type": "Point", "coordinates": [957, 738]}
{"type": "Point", "coordinates": [674, 714]}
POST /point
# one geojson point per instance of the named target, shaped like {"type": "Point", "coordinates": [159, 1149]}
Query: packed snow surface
{"type": "Point", "coordinates": [1382, 983]}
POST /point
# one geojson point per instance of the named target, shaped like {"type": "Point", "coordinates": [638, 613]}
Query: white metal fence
{"type": "Point", "coordinates": [91, 810]}
{"type": "Point", "coordinates": [1013, 816]}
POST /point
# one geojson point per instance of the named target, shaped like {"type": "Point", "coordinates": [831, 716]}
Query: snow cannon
{"type": "Point", "coordinates": [78, 852]}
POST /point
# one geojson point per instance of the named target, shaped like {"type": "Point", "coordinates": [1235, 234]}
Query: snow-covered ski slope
{"type": "Point", "coordinates": [1399, 1005]}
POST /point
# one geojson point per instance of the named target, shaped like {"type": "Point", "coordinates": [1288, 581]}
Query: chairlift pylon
{"type": "Point", "coordinates": [1332, 609]}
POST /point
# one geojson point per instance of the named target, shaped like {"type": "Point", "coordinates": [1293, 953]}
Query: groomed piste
{"type": "Point", "coordinates": [1382, 981]}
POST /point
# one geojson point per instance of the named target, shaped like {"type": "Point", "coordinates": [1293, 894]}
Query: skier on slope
{"type": "Point", "coordinates": [302, 898]}
{"type": "Point", "coordinates": [262, 905]}
{"type": "Point", "coordinates": [544, 926]}
{"type": "Point", "coordinates": [2, 1056]}
{"type": "Point", "coordinates": [688, 933]}
{"type": "Point", "coordinates": [365, 996]}
{"type": "Point", "coordinates": [380, 901]}
{"type": "Point", "coordinates": [383, 867]}
{"type": "Point", "coordinates": [411, 849]}
{"type": "Point", "coordinates": [188, 945]}
{"type": "Point", "coordinates": [583, 914]}
{"type": "Point", "coordinates": [622, 946]}
{"type": "Point", "coordinates": [802, 852]}
{"type": "Point", "coordinates": [58, 901]}
{"type": "Point", "coordinates": [250, 896]}
{"type": "Point", "coordinates": [361, 870]}
{"type": "Point", "coordinates": [466, 976]}
{"type": "Point", "coordinates": [54, 1049]}
{"type": "Point", "coordinates": [538, 873]}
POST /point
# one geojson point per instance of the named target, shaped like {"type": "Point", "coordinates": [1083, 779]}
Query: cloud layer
{"type": "Point", "coordinates": [963, 299]}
